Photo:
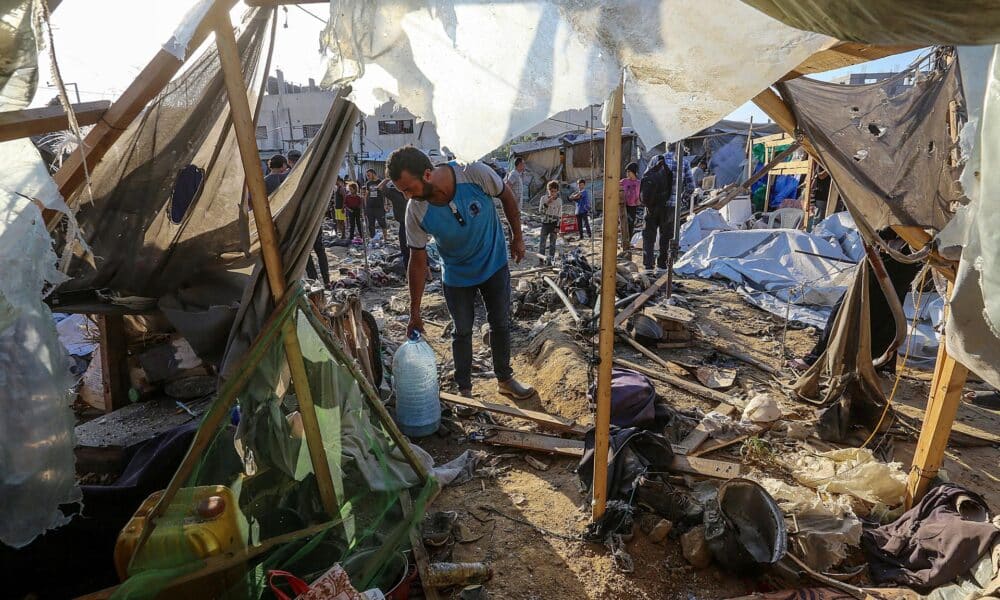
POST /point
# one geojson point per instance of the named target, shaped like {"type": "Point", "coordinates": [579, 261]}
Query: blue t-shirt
{"type": "Point", "coordinates": [583, 203]}
{"type": "Point", "coordinates": [474, 249]}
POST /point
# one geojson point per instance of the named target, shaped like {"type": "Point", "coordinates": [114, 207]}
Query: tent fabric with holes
{"type": "Point", "coordinates": [887, 152]}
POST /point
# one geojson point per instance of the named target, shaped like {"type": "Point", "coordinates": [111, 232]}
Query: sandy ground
{"type": "Point", "coordinates": [529, 555]}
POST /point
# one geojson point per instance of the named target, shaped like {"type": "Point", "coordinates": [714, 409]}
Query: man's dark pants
{"type": "Point", "coordinates": [660, 219]}
{"type": "Point", "coordinates": [495, 292]}
{"type": "Point", "coordinates": [402, 245]}
{"type": "Point", "coordinates": [324, 263]}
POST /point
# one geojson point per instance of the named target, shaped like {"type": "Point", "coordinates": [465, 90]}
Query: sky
{"type": "Point", "coordinates": [129, 33]}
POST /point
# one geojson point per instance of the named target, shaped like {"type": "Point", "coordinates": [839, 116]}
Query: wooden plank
{"type": "Point", "coordinates": [988, 437]}
{"type": "Point", "coordinates": [665, 376]}
{"type": "Point", "coordinates": [942, 406]}
{"type": "Point", "coordinates": [844, 54]}
{"type": "Point", "coordinates": [807, 193]}
{"type": "Point", "coordinates": [16, 124]}
{"type": "Point", "coordinates": [717, 445]}
{"type": "Point", "coordinates": [609, 275]}
{"type": "Point", "coordinates": [672, 313]}
{"type": "Point", "coordinates": [537, 442]}
{"type": "Point", "coordinates": [545, 420]}
{"type": "Point", "coordinates": [706, 467]}
{"type": "Point", "coordinates": [419, 551]}
{"type": "Point", "coordinates": [150, 81]}
{"type": "Point", "coordinates": [565, 299]}
{"type": "Point", "coordinates": [114, 361]}
{"type": "Point", "coordinates": [642, 299]}
{"type": "Point", "coordinates": [574, 449]}
{"type": "Point", "coordinates": [699, 434]}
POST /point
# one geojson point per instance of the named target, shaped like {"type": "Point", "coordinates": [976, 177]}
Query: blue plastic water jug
{"type": "Point", "coordinates": [415, 381]}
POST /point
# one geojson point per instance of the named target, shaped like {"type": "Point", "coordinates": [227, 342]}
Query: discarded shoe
{"type": "Point", "coordinates": [514, 389]}
{"type": "Point", "coordinates": [671, 503]}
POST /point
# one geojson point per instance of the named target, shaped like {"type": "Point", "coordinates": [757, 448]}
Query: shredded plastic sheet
{"type": "Point", "coordinates": [36, 424]}
{"type": "Point", "coordinates": [700, 227]}
{"type": "Point", "coordinates": [485, 72]}
{"type": "Point", "coordinates": [973, 326]}
{"type": "Point", "coordinates": [770, 268]}
{"type": "Point", "coordinates": [178, 42]}
{"type": "Point", "coordinates": [823, 526]}
{"type": "Point", "coordinates": [853, 471]}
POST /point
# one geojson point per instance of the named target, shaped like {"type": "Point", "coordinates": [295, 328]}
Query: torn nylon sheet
{"type": "Point", "coordinates": [973, 326]}
{"type": "Point", "coordinates": [485, 72]}
{"type": "Point", "coordinates": [771, 267]}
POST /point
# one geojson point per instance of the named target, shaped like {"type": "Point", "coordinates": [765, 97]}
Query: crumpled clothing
{"type": "Point", "coordinates": [934, 542]}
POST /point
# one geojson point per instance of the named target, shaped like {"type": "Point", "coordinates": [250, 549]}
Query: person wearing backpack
{"type": "Point", "coordinates": [655, 193]}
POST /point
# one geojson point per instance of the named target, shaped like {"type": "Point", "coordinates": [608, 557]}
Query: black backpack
{"type": "Point", "coordinates": [655, 186]}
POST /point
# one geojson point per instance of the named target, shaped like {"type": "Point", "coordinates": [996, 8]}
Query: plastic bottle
{"type": "Point", "coordinates": [415, 381]}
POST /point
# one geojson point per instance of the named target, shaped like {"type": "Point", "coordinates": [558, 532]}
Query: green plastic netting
{"type": "Point", "coordinates": [263, 461]}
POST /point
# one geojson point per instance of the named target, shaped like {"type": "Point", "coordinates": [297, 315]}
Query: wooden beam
{"type": "Point", "coordinates": [609, 275]}
{"type": "Point", "coordinates": [678, 382]}
{"type": "Point", "coordinates": [243, 125]}
{"type": "Point", "coordinates": [419, 551]}
{"type": "Point", "coordinates": [545, 420]}
{"type": "Point", "coordinates": [844, 54]}
{"type": "Point", "coordinates": [16, 124]}
{"type": "Point", "coordinates": [150, 81]}
{"type": "Point", "coordinates": [114, 362]}
{"type": "Point", "coordinates": [942, 406]}
{"type": "Point", "coordinates": [642, 299]}
{"type": "Point", "coordinates": [699, 434]}
{"type": "Point", "coordinates": [574, 449]}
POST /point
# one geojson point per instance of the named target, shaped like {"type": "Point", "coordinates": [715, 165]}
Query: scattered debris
{"type": "Point", "coordinates": [695, 548]}
{"type": "Point", "coordinates": [536, 464]}
{"type": "Point", "coordinates": [660, 531]}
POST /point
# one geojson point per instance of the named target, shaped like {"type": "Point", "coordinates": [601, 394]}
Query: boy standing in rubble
{"type": "Point", "coordinates": [454, 203]}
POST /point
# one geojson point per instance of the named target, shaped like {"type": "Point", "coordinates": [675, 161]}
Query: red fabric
{"type": "Point", "coordinates": [352, 201]}
{"type": "Point", "coordinates": [298, 586]}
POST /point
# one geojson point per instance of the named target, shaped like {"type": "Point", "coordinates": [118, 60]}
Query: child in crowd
{"type": "Point", "coordinates": [352, 204]}
{"type": "Point", "coordinates": [551, 208]}
{"type": "Point", "coordinates": [582, 199]}
{"type": "Point", "coordinates": [630, 196]}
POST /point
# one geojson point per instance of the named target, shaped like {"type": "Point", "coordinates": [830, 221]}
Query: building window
{"type": "Point", "coordinates": [395, 127]}
{"type": "Point", "coordinates": [310, 131]}
{"type": "Point", "coordinates": [261, 132]}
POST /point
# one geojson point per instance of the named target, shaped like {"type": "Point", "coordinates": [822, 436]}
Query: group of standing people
{"type": "Point", "coordinates": [360, 209]}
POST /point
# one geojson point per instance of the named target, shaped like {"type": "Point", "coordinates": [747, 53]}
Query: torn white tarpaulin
{"type": "Point", "coordinates": [36, 423]}
{"type": "Point", "coordinates": [772, 267]}
{"type": "Point", "coordinates": [700, 227]}
{"type": "Point", "coordinates": [484, 72]}
{"type": "Point", "coordinates": [973, 326]}
{"type": "Point", "coordinates": [179, 41]}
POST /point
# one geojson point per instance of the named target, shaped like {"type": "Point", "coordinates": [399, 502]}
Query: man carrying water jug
{"type": "Point", "coordinates": [454, 204]}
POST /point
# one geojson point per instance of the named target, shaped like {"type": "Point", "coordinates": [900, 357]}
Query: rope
{"type": "Point", "coordinates": [41, 19]}
{"type": "Point", "coordinates": [906, 356]}
{"type": "Point", "coordinates": [542, 530]}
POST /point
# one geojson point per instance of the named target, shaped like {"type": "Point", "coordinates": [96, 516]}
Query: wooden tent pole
{"type": "Point", "coordinates": [243, 125]}
{"type": "Point", "coordinates": [609, 273]}
{"type": "Point", "coordinates": [942, 406]}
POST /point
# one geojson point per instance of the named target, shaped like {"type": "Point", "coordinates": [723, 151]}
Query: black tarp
{"type": "Point", "coordinates": [887, 146]}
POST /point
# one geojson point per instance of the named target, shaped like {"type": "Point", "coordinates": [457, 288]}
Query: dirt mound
{"type": "Point", "coordinates": [559, 372]}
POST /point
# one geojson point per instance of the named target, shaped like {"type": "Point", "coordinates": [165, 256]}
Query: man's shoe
{"type": "Point", "coordinates": [514, 389]}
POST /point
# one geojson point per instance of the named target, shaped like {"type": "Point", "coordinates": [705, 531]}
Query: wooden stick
{"type": "Point", "coordinates": [16, 124]}
{"type": "Point", "coordinates": [718, 445]}
{"type": "Point", "coordinates": [942, 406]}
{"type": "Point", "coordinates": [243, 125]}
{"type": "Point", "coordinates": [574, 449]}
{"type": "Point", "coordinates": [739, 355]}
{"type": "Point", "coordinates": [609, 275]}
{"type": "Point", "coordinates": [546, 420]}
{"type": "Point", "coordinates": [687, 386]}
{"type": "Point", "coordinates": [419, 551]}
{"type": "Point", "coordinates": [565, 299]}
{"type": "Point", "coordinates": [699, 434]}
{"type": "Point", "coordinates": [529, 272]}
{"type": "Point", "coordinates": [642, 299]}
